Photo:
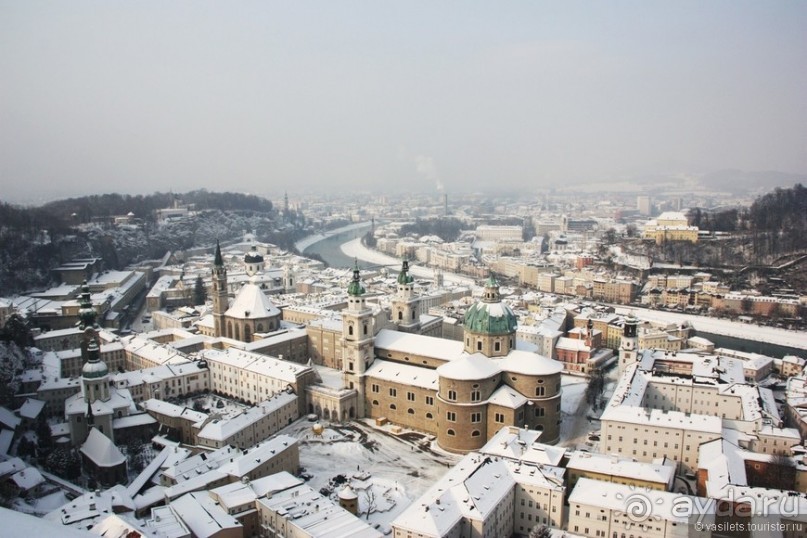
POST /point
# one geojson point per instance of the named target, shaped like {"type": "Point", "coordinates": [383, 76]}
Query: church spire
{"type": "Point", "coordinates": [218, 261]}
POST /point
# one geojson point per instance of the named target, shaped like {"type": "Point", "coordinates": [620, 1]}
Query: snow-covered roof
{"type": "Point", "coordinates": [20, 525]}
{"type": "Point", "coordinates": [251, 303]}
{"type": "Point", "coordinates": [31, 408]}
{"type": "Point", "coordinates": [526, 363]}
{"type": "Point", "coordinates": [258, 455]}
{"type": "Point", "coordinates": [223, 429]}
{"type": "Point", "coordinates": [9, 419]}
{"type": "Point", "coordinates": [467, 367]}
{"type": "Point", "coordinates": [506, 396]}
{"type": "Point", "coordinates": [617, 497]}
{"type": "Point", "coordinates": [172, 410]}
{"type": "Point", "coordinates": [11, 466]}
{"type": "Point", "coordinates": [661, 473]}
{"type": "Point", "coordinates": [28, 478]}
{"type": "Point", "coordinates": [6, 436]}
{"type": "Point", "coordinates": [101, 450]}
{"type": "Point", "coordinates": [663, 419]}
{"type": "Point", "coordinates": [203, 516]}
{"type": "Point", "coordinates": [316, 516]}
{"type": "Point", "coordinates": [406, 374]}
{"type": "Point", "coordinates": [518, 444]}
{"type": "Point", "coordinates": [428, 346]}
{"type": "Point", "coordinates": [129, 421]}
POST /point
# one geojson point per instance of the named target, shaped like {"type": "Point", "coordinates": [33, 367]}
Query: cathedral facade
{"type": "Point", "coordinates": [460, 392]}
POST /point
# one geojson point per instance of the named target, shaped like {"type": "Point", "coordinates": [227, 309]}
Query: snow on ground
{"type": "Point", "coordinates": [210, 403]}
{"type": "Point", "coordinates": [391, 471]}
{"type": "Point", "coordinates": [356, 249]}
{"type": "Point", "coordinates": [574, 388]}
{"type": "Point", "coordinates": [724, 327]}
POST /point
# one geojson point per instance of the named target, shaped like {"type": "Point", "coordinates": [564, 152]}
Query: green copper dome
{"type": "Point", "coordinates": [490, 318]}
{"type": "Point", "coordinates": [491, 315]}
{"type": "Point", "coordinates": [355, 288]}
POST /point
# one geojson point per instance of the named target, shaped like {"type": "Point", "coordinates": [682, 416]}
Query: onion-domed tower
{"type": "Point", "coordinates": [490, 324]}
{"type": "Point", "coordinates": [405, 305]}
{"type": "Point", "coordinates": [357, 338]}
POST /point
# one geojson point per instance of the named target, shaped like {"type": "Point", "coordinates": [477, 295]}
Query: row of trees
{"type": "Point", "coordinates": [448, 228]}
{"type": "Point", "coordinates": [776, 223]}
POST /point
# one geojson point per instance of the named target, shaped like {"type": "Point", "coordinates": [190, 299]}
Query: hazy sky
{"type": "Point", "coordinates": [263, 97]}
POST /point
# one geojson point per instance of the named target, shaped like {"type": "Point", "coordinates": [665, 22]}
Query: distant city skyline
{"type": "Point", "coordinates": [325, 97]}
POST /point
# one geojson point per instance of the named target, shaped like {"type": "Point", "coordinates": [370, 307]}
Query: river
{"type": "Point", "coordinates": [329, 247]}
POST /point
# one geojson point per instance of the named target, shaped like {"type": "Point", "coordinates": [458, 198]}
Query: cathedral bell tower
{"type": "Point", "coordinates": [405, 311]}
{"type": "Point", "coordinates": [220, 302]}
{"type": "Point", "coordinates": [357, 338]}
{"type": "Point", "coordinates": [629, 345]}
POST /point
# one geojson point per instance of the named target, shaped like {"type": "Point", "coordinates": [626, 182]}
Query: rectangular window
{"type": "Point", "coordinates": [429, 400]}
{"type": "Point", "coordinates": [410, 396]}
{"type": "Point", "coordinates": [499, 418]}
{"type": "Point", "coordinates": [476, 417]}
{"type": "Point", "coordinates": [376, 388]}
{"type": "Point", "coordinates": [451, 416]}
{"type": "Point", "coordinates": [452, 395]}
{"type": "Point", "coordinates": [393, 392]}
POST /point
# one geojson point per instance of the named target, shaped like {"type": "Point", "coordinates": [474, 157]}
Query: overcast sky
{"type": "Point", "coordinates": [263, 97]}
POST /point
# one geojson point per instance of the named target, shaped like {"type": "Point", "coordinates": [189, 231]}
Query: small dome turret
{"type": "Point", "coordinates": [355, 288]}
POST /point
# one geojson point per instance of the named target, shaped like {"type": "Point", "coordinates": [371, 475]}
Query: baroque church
{"type": "Point", "coordinates": [462, 392]}
{"type": "Point", "coordinates": [252, 312]}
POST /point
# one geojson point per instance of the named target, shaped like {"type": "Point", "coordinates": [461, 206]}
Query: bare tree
{"type": "Point", "coordinates": [369, 500]}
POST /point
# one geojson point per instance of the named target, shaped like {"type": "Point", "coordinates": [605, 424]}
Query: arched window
{"type": "Point", "coordinates": [375, 402]}
{"type": "Point", "coordinates": [237, 333]}
{"type": "Point", "coordinates": [429, 416]}
{"type": "Point", "coordinates": [400, 315]}
{"type": "Point", "coordinates": [259, 328]}
{"type": "Point", "coordinates": [410, 411]}
{"type": "Point", "coordinates": [247, 334]}
{"type": "Point", "coordinates": [475, 433]}
{"type": "Point", "coordinates": [393, 406]}
{"type": "Point", "coordinates": [450, 432]}
{"type": "Point", "coordinates": [365, 329]}
{"type": "Point", "coordinates": [479, 345]}
{"type": "Point", "coordinates": [497, 346]}
{"type": "Point", "coordinates": [350, 330]}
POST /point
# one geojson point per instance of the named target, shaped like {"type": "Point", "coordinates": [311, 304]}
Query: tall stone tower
{"type": "Point", "coordinates": [94, 377]}
{"type": "Point", "coordinates": [220, 303]}
{"type": "Point", "coordinates": [629, 345]}
{"type": "Point", "coordinates": [357, 338]}
{"type": "Point", "coordinates": [405, 308]}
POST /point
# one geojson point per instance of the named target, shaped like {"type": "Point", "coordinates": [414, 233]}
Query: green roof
{"type": "Point", "coordinates": [490, 318]}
